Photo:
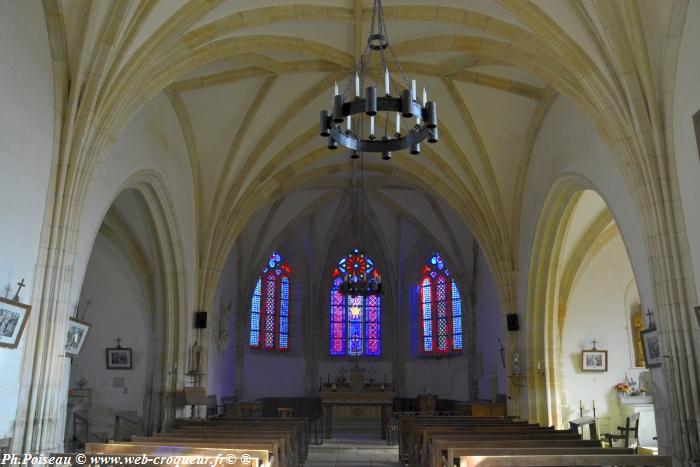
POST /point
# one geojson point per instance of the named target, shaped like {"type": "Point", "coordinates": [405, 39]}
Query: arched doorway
{"type": "Point", "coordinates": [124, 379]}
{"type": "Point", "coordinates": [583, 297]}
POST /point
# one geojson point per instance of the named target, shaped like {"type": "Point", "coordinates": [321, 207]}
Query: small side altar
{"type": "Point", "coordinates": [359, 404]}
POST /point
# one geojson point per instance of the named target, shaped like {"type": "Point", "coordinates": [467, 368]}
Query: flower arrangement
{"type": "Point", "coordinates": [622, 388]}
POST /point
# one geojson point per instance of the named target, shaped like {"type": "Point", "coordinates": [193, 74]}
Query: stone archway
{"type": "Point", "coordinates": [168, 358]}
{"type": "Point", "coordinates": [568, 238]}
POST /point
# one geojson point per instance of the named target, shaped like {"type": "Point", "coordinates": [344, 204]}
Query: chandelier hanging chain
{"type": "Point", "coordinates": [405, 105]}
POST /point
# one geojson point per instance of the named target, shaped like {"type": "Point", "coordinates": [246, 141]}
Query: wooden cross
{"type": "Point", "coordinates": [20, 285]}
{"type": "Point", "coordinates": [594, 342]}
{"type": "Point", "coordinates": [119, 342]}
{"type": "Point", "coordinates": [650, 315]}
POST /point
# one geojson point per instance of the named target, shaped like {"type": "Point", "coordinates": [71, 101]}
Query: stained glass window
{"type": "Point", "coordinates": [355, 322]}
{"type": "Point", "coordinates": [269, 309]}
{"type": "Point", "coordinates": [441, 309]}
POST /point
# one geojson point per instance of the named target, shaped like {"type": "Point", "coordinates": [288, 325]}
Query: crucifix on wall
{"type": "Point", "coordinates": [20, 285]}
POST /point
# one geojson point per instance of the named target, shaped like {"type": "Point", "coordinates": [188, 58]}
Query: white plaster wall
{"type": "Point", "coordinates": [446, 377]}
{"type": "Point", "coordinates": [270, 375]}
{"type": "Point", "coordinates": [26, 145]}
{"type": "Point", "coordinates": [489, 328]}
{"type": "Point", "coordinates": [597, 310]}
{"type": "Point", "coordinates": [568, 145]}
{"type": "Point", "coordinates": [222, 346]}
{"type": "Point", "coordinates": [686, 102]}
{"type": "Point", "coordinates": [152, 141]}
{"type": "Point", "coordinates": [119, 309]}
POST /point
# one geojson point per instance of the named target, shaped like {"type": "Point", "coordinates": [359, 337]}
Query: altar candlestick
{"type": "Point", "coordinates": [357, 85]}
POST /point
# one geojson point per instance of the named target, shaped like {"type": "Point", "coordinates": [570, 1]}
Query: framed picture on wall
{"type": "Point", "coordinates": [75, 336]}
{"type": "Point", "coordinates": [652, 347]}
{"type": "Point", "coordinates": [119, 358]}
{"type": "Point", "coordinates": [13, 317]}
{"type": "Point", "coordinates": [594, 360]}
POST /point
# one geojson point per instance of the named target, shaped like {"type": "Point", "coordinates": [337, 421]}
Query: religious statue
{"type": "Point", "coordinates": [516, 360]}
{"type": "Point", "coordinates": [195, 357]}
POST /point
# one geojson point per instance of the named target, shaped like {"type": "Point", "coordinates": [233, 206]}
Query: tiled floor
{"type": "Point", "coordinates": [353, 450]}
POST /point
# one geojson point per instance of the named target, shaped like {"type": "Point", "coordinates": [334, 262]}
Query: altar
{"type": "Point", "coordinates": [356, 405]}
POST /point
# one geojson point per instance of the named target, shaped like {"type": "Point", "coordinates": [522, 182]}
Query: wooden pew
{"type": "Point", "coordinates": [422, 457]}
{"type": "Point", "coordinates": [275, 454]}
{"type": "Point", "coordinates": [555, 460]}
{"type": "Point", "coordinates": [294, 430]}
{"type": "Point", "coordinates": [449, 447]}
{"type": "Point", "coordinates": [452, 456]}
{"type": "Point", "coordinates": [422, 442]}
{"type": "Point", "coordinates": [407, 427]}
{"type": "Point", "coordinates": [286, 452]}
{"type": "Point", "coordinates": [258, 458]}
{"type": "Point", "coordinates": [300, 425]}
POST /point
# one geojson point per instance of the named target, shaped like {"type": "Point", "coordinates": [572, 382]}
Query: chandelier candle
{"type": "Point", "coordinates": [370, 69]}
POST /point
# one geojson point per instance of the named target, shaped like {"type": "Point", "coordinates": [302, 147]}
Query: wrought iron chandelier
{"type": "Point", "coordinates": [360, 112]}
{"type": "Point", "coordinates": [360, 277]}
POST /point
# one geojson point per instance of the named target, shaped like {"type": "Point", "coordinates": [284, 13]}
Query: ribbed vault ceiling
{"type": "Point", "coordinates": [248, 78]}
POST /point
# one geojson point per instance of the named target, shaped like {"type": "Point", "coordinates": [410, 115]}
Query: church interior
{"type": "Point", "coordinates": [485, 252]}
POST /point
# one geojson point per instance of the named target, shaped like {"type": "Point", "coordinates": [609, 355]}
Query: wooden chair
{"type": "Point", "coordinates": [285, 412]}
{"type": "Point", "coordinates": [626, 433]}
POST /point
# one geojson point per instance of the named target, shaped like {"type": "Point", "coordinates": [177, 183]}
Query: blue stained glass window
{"type": "Point", "coordinates": [456, 317]}
{"type": "Point", "coordinates": [269, 311]}
{"type": "Point", "coordinates": [255, 316]}
{"type": "Point", "coordinates": [355, 322]}
{"type": "Point", "coordinates": [441, 309]}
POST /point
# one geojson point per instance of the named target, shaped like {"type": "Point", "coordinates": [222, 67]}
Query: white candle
{"type": "Point", "coordinates": [413, 89]}
{"type": "Point", "coordinates": [386, 81]}
{"type": "Point", "coordinates": [336, 89]}
{"type": "Point", "coordinates": [357, 85]}
{"type": "Point", "coordinates": [425, 96]}
{"type": "Point", "coordinates": [371, 125]}
{"type": "Point", "coordinates": [398, 123]}
{"type": "Point", "coordinates": [349, 123]}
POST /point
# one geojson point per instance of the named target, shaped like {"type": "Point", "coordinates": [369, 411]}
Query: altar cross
{"type": "Point", "coordinates": [20, 285]}
{"type": "Point", "coordinates": [118, 340]}
{"type": "Point", "coordinates": [594, 342]}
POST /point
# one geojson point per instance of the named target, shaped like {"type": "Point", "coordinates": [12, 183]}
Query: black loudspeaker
{"type": "Point", "coordinates": [513, 322]}
{"type": "Point", "coordinates": [200, 319]}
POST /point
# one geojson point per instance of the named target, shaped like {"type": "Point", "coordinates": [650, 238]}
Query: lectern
{"type": "Point", "coordinates": [195, 397]}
